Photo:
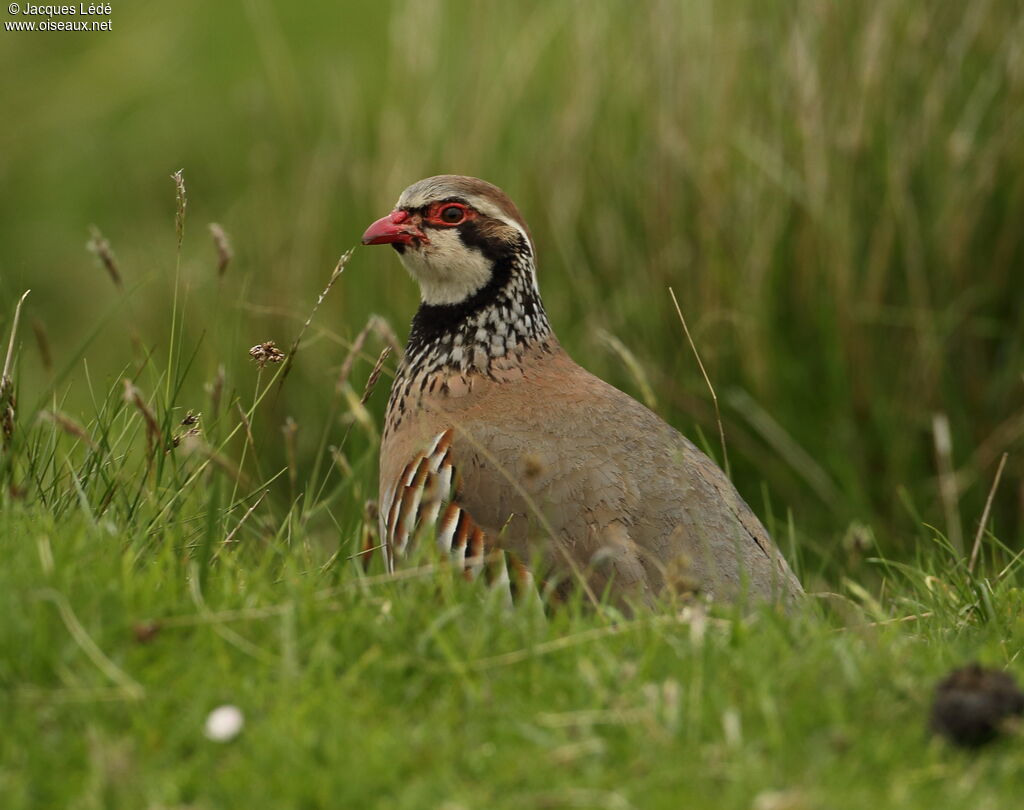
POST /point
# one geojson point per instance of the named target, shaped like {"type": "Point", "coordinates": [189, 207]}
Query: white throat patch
{"type": "Point", "coordinates": [447, 271]}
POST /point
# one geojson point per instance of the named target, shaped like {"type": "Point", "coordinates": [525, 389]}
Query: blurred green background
{"type": "Point", "coordinates": [835, 191]}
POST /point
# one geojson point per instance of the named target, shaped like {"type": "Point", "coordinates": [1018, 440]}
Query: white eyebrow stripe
{"type": "Point", "coordinates": [487, 208]}
{"type": "Point", "coordinates": [481, 204]}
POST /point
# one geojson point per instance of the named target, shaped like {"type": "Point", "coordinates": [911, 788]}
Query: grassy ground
{"type": "Point", "coordinates": [420, 693]}
{"type": "Point", "coordinates": [834, 192]}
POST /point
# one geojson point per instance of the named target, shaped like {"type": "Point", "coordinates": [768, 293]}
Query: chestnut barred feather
{"type": "Point", "coordinates": [423, 502]}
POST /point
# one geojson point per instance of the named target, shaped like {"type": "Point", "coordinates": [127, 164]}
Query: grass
{"type": "Point", "coordinates": [833, 192]}
{"type": "Point", "coordinates": [422, 693]}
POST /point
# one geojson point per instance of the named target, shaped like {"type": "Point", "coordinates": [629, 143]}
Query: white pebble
{"type": "Point", "coordinates": [224, 723]}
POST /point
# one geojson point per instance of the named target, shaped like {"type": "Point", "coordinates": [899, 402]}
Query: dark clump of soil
{"type": "Point", "coordinates": [973, 704]}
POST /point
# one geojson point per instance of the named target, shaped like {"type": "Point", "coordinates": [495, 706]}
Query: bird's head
{"type": "Point", "coordinates": [457, 236]}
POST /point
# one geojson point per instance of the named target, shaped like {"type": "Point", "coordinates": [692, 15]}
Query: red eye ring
{"type": "Point", "coordinates": [451, 214]}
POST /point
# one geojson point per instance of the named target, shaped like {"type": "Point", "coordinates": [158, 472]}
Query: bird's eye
{"type": "Point", "coordinates": [452, 214]}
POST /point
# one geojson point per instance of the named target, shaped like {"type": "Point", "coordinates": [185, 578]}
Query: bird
{"type": "Point", "coordinates": [522, 465]}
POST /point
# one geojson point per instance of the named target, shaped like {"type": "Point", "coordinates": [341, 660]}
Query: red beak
{"type": "Point", "coordinates": [395, 227]}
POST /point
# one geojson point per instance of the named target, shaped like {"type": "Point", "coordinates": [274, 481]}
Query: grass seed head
{"type": "Point", "coordinates": [266, 352]}
{"type": "Point", "coordinates": [99, 247]}
{"type": "Point", "coordinates": [369, 543]}
{"type": "Point", "coordinates": [341, 461]}
{"type": "Point", "coordinates": [133, 396]}
{"type": "Point", "coordinates": [185, 436]}
{"type": "Point", "coordinates": [350, 359]}
{"type": "Point", "coordinates": [68, 425]}
{"type": "Point", "coordinates": [43, 343]}
{"type": "Point", "coordinates": [181, 201]}
{"type": "Point", "coordinates": [8, 400]}
{"type": "Point", "coordinates": [223, 245]}
{"type": "Point", "coordinates": [339, 267]}
{"type": "Point", "coordinates": [8, 403]}
{"type": "Point", "coordinates": [371, 382]}
{"type": "Point", "coordinates": [215, 389]}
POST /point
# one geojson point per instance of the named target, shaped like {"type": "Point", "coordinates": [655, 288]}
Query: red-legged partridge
{"type": "Point", "coordinates": [496, 442]}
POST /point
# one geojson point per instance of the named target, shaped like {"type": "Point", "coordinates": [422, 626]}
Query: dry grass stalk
{"type": "Point", "coordinates": [133, 396]}
{"type": "Point", "coordinates": [181, 200]}
{"type": "Point", "coordinates": [69, 426]}
{"type": "Point", "coordinates": [707, 379]}
{"type": "Point", "coordinates": [231, 535]}
{"type": "Point", "coordinates": [290, 428]}
{"type": "Point", "coordinates": [350, 358]}
{"type": "Point", "coordinates": [786, 447]}
{"type": "Point", "coordinates": [216, 390]}
{"type": "Point", "coordinates": [378, 326]}
{"type": "Point", "coordinates": [976, 548]}
{"type": "Point", "coordinates": [632, 365]}
{"type": "Point", "coordinates": [371, 381]}
{"type": "Point", "coordinates": [267, 352]}
{"type": "Point", "coordinates": [192, 444]}
{"type": "Point", "coordinates": [948, 494]}
{"type": "Point", "coordinates": [385, 333]}
{"type": "Point", "coordinates": [99, 247]}
{"type": "Point", "coordinates": [8, 402]}
{"type": "Point", "coordinates": [370, 542]}
{"type": "Point", "coordinates": [8, 405]}
{"type": "Point", "coordinates": [43, 344]}
{"type": "Point", "coordinates": [87, 645]}
{"type": "Point", "coordinates": [335, 275]}
{"type": "Point", "coordinates": [247, 424]}
{"type": "Point", "coordinates": [223, 245]}
{"type": "Point", "coordinates": [1004, 436]}
{"type": "Point", "coordinates": [341, 461]}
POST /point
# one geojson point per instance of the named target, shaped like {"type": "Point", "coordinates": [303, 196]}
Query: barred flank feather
{"type": "Point", "coordinates": [422, 500]}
